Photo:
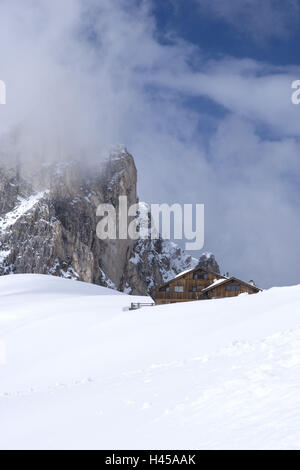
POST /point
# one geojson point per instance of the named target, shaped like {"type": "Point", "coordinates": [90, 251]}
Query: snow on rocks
{"type": "Point", "coordinates": [24, 205]}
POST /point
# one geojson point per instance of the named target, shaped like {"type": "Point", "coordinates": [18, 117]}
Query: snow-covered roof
{"type": "Point", "coordinates": [183, 273]}
{"type": "Point", "coordinates": [228, 279]}
{"type": "Point", "coordinates": [215, 283]}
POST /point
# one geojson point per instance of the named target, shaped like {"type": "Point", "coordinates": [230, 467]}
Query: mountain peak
{"type": "Point", "coordinates": [48, 226]}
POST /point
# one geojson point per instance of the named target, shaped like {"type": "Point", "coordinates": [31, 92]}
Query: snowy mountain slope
{"type": "Point", "coordinates": [83, 372]}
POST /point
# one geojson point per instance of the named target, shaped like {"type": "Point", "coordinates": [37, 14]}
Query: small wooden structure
{"type": "Point", "coordinates": [138, 305]}
{"type": "Point", "coordinates": [199, 284]}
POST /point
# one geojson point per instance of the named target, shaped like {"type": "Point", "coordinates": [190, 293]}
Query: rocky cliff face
{"type": "Point", "coordinates": [48, 226]}
{"type": "Point", "coordinates": [208, 262]}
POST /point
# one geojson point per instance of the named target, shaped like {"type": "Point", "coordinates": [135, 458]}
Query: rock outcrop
{"type": "Point", "coordinates": [208, 262]}
{"type": "Point", "coordinates": [48, 226]}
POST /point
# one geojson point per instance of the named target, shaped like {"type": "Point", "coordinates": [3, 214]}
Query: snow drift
{"type": "Point", "coordinates": [82, 371]}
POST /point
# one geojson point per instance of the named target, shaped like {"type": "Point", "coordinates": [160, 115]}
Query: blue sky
{"type": "Point", "coordinates": [217, 36]}
{"type": "Point", "coordinates": [239, 34]}
{"type": "Point", "coordinates": [199, 91]}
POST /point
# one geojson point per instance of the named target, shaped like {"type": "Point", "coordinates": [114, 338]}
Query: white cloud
{"type": "Point", "coordinates": [83, 75]}
{"type": "Point", "coordinates": [251, 89]}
